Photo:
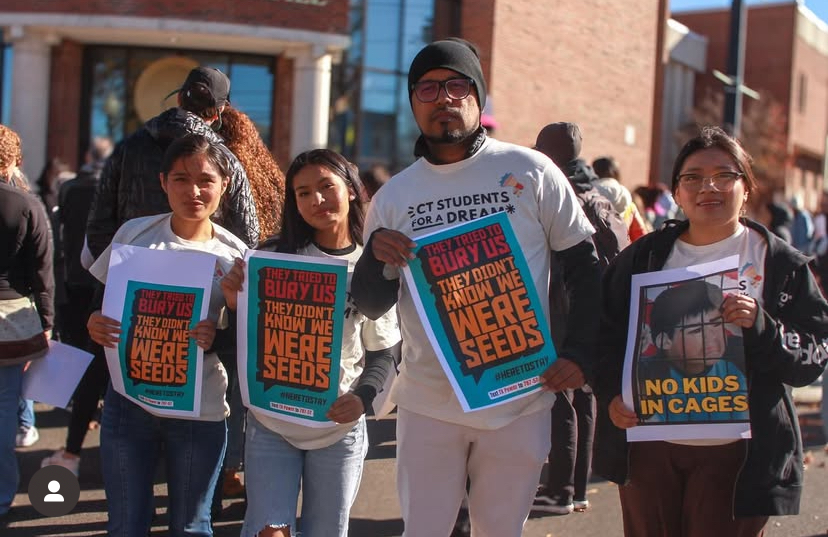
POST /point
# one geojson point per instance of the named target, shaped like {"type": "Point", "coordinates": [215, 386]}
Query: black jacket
{"type": "Point", "coordinates": [74, 202]}
{"type": "Point", "coordinates": [787, 346]}
{"type": "Point", "coordinates": [130, 186]}
{"type": "Point", "coordinates": [26, 251]}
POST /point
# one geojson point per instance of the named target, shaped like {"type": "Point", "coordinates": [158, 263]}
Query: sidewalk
{"type": "Point", "coordinates": [376, 512]}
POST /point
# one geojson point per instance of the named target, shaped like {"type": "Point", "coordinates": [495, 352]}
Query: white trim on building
{"type": "Point", "coordinates": [687, 56]}
{"type": "Point", "coordinates": [32, 36]}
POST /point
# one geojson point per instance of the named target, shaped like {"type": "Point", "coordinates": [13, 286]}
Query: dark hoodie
{"type": "Point", "coordinates": [130, 186]}
{"type": "Point", "coordinates": [580, 175]}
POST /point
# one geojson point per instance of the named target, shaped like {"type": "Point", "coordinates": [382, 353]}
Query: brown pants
{"type": "Point", "coordinates": [684, 491]}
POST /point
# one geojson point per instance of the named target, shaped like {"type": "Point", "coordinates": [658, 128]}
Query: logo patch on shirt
{"type": "Point", "coordinates": [510, 180]}
{"type": "Point", "coordinates": [749, 274]}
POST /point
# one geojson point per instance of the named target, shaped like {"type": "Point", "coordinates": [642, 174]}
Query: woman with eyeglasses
{"type": "Point", "coordinates": [715, 487]}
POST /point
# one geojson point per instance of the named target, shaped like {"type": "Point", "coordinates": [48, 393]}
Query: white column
{"type": "Point", "coordinates": [31, 62]}
{"type": "Point", "coordinates": [311, 99]}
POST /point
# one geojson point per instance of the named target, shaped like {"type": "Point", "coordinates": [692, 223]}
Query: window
{"type": "Point", "coordinates": [803, 92]}
{"type": "Point", "coordinates": [372, 122]}
{"type": "Point", "coordinates": [114, 71]}
{"type": "Point", "coordinates": [5, 82]}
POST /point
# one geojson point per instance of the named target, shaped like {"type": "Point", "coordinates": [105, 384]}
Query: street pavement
{"type": "Point", "coordinates": [376, 512]}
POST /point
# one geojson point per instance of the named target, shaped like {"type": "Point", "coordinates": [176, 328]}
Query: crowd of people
{"type": "Point", "coordinates": [199, 178]}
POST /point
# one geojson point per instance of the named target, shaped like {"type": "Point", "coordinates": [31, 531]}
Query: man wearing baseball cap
{"type": "Point", "coordinates": [129, 185]}
{"type": "Point", "coordinates": [460, 176]}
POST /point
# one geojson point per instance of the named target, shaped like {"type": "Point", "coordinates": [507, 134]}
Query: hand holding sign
{"type": "Point", "coordinates": [392, 247]}
{"type": "Point", "coordinates": [562, 375]}
{"type": "Point", "coordinates": [621, 415]}
{"type": "Point", "coordinates": [204, 333]}
{"type": "Point", "coordinates": [347, 408]}
{"type": "Point", "coordinates": [740, 310]}
{"type": "Point", "coordinates": [232, 282]}
{"type": "Point", "coordinates": [103, 330]}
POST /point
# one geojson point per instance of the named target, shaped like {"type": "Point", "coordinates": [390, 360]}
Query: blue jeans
{"type": "Point", "coordinates": [25, 413]}
{"type": "Point", "coordinates": [329, 478]}
{"type": "Point", "coordinates": [11, 382]}
{"type": "Point", "coordinates": [131, 442]}
{"type": "Point", "coordinates": [235, 428]}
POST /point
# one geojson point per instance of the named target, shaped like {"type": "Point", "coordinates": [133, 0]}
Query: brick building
{"type": "Point", "coordinates": [786, 60]}
{"type": "Point", "coordinates": [324, 72]}
{"type": "Point", "coordinates": [592, 62]}
{"type": "Point", "coordinates": [81, 68]}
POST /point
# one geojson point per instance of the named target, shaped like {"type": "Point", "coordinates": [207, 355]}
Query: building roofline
{"type": "Point", "coordinates": [813, 18]}
{"type": "Point", "coordinates": [727, 9]}
{"type": "Point", "coordinates": [175, 32]}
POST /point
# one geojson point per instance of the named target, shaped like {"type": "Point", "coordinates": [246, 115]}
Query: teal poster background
{"type": "Point", "coordinates": [158, 358]}
{"type": "Point", "coordinates": [294, 329]}
{"type": "Point", "coordinates": [479, 302]}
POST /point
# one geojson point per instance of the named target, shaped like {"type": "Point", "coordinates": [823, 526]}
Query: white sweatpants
{"type": "Point", "coordinates": [503, 465]}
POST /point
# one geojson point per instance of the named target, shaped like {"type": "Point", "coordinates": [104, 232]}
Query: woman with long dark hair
{"type": "Point", "coordinates": [195, 173]}
{"type": "Point", "coordinates": [323, 217]}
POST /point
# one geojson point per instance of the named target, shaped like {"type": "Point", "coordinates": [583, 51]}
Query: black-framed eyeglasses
{"type": "Point", "coordinates": [720, 182]}
{"type": "Point", "coordinates": [427, 91]}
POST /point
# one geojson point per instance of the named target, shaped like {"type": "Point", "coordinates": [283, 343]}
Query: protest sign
{"type": "Point", "coordinates": [290, 318]}
{"type": "Point", "coordinates": [158, 295]}
{"type": "Point", "coordinates": [684, 369]}
{"type": "Point", "coordinates": [483, 316]}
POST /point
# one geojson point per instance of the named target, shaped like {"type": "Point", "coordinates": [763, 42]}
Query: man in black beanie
{"type": "Point", "coordinates": [464, 175]}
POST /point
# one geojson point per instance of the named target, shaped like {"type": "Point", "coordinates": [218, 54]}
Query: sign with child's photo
{"type": "Point", "coordinates": [483, 316]}
{"type": "Point", "coordinates": [684, 371]}
{"type": "Point", "coordinates": [158, 295]}
{"type": "Point", "coordinates": [290, 317]}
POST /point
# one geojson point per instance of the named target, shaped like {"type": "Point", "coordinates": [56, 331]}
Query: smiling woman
{"type": "Point", "coordinates": [323, 217]}
{"type": "Point", "coordinates": [719, 486]}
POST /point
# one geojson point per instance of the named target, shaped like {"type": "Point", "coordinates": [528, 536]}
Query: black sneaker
{"type": "Point", "coordinates": [553, 504]}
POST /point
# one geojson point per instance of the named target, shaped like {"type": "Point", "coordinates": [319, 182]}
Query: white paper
{"type": "Point", "coordinates": [53, 378]}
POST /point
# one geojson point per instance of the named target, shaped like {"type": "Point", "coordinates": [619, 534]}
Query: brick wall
{"type": "Point", "coordinates": [768, 49]}
{"type": "Point", "coordinates": [318, 15]}
{"type": "Point", "coordinates": [587, 61]}
{"type": "Point", "coordinates": [775, 59]}
{"type": "Point", "coordinates": [65, 103]}
{"type": "Point", "coordinates": [282, 112]}
{"type": "Point", "coordinates": [809, 122]}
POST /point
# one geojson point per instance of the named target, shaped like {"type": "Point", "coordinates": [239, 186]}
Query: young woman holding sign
{"type": "Point", "coordinates": [323, 217]}
{"type": "Point", "coordinates": [194, 174]}
{"type": "Point", "coordinates": [715, 487]}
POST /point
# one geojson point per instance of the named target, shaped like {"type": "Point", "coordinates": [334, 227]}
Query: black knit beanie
{"type": "Point", "coordinates": [455, 54]}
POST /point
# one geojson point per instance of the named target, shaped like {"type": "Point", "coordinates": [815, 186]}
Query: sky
{"type": "Point", "coordinates": [819, 7]}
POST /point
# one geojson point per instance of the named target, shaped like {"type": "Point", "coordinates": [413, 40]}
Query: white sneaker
{"type": "Point", "coordinates": [26, 436]}
{"type": "Point", "coordinates": [581, 505]}
{"type": "Point", "coordinates": [59, 458]}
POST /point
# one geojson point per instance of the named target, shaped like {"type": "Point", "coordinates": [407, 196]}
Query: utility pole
{"type": "Point", "coordinates": [734, 79]}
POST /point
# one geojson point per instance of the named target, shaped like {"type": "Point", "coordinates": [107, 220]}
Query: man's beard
{"type": "Point", "coordinates": [450, 136]}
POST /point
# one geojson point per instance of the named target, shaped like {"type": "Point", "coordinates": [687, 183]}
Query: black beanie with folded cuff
{"type": "Point", "coordinates": [457, 55]}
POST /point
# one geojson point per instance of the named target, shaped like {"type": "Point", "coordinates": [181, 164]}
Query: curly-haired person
{"type": "Point", "coordinates": [266, 178]}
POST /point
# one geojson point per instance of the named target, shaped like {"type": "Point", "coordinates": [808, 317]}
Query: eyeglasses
{"type": "Point", "coordinates": [720, 182]}
{"type": "Point", "coordinates": [427, 91]}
